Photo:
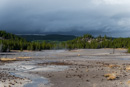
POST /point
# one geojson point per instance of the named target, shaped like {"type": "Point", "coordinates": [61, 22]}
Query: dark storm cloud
{"type": "Point", "coordinates": [110, 17]}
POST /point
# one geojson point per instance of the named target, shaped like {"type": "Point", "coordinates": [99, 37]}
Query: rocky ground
{"type": "Point", "coordinates": [86, 68]}
{"type": "Point", "coordinates": [8, 80]}
{"type": "Point", "coordinates": [89, 73]}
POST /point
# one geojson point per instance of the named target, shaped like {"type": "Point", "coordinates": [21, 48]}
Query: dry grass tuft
{"type": "Point", "coordinates": [78, 54]}
{"type": "Point", "coordinates": [112, 65]}
{"type": "Point", "coordinates": [128, 82]}
{"type": "Point", "coordinates": [111, 76]}
{"type": "Point", "coordinates": [24, 57]}
{"type": "Point", "coordinates": [121, 82]}
{"type": "Point", "coordinates": [8, 59]}
{"type": "Point", "coordinates": [87, 70]}
{"type": "Point", "coordinates": [127, 68]}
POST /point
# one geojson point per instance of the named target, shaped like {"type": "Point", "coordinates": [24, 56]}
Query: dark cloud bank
{"type": "Point", "coordinates": [77, 17]}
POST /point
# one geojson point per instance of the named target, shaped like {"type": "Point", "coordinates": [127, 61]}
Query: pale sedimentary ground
{"type": "Point", "coordinates": [75, 68]}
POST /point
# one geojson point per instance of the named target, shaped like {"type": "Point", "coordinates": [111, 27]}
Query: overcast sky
{"type": "Point", "coordinates": [110, 17]}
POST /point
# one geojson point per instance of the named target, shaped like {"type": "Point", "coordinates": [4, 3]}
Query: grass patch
{"type": "Point", "coordinates": [127, 68]}
{"type": "Point", "coordinates": [8, 59]}
{"type": "Point", "coordinates": [128, 50]}
{"type": "Point", "coordinates": [111, 76]}
{"type": "Point", "coordinates": [24, 57]}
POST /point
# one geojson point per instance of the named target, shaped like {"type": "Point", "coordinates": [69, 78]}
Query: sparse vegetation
{"type": "Point", "coordinates": [129, 50]}
{"type": "Point", "coordinates": [111, 76]}
{"type": "Point", "coordinates": [7, 59]}
{"type": "Point", "coordinates": [127, 68]}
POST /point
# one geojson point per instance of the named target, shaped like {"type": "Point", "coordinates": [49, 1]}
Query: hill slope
{"type": "Point", "coordinates": [9, 36]}
{"type": "Point", "coordinates": [51, 37]}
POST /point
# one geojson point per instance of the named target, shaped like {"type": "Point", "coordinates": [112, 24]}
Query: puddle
{"type": "Point", "coordinates": [124, 59]}
{"type": "Point", "coordinates": [23, 68]}
{"type": "Point", "coordinates": [35, 79]}
{"type": "Point", "coordinates": [106, 57]}
{"type": "Point", "coordinates": [50, 68]}
{"type": "Point", "coordinates": [36, 82]}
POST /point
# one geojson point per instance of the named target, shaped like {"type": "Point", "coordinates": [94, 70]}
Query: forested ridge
{"type": "Point", "coordinates": [9, 36]}
{"type": "Point", "coordinates": [50, 37]}
{"type": "Point", "coordinates": [88, 41]}
{"type": "Point", "coordinates": [13, 42]}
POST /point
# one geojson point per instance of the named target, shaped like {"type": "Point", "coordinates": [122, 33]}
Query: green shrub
{"type": "Point", "coordinates": [129, 50]}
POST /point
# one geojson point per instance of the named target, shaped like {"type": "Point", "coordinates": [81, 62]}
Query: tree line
{"type": "Point", "coordinates": [12, 42]}
{"type": "Point", "coordinates": [7, 45]}
{"type": "Point", "coordinates": [88, 41]}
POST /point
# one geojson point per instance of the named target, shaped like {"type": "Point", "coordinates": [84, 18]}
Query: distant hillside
{"type": "Point", "coordinates": [9, 36]}
{"type": "Point", "coordinates": [51, 37]}
{"type": "Point", "coordinates": [10, 41]}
